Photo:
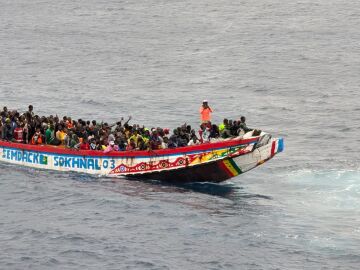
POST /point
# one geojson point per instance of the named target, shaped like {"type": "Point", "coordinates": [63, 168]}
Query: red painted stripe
{"type": "Point", "coordinates": [161, 152]}
{"type": "Point", "coordinates": [182, 150]}
{"type": "Point", "coordinates": [273, 148]}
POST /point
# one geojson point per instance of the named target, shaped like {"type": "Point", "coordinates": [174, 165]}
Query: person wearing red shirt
{"type": "Point", "coordinates": [18, 132]}
{"type": "Point", "coordinates": [85, 144]}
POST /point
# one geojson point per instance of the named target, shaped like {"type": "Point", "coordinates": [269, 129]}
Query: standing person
{"type": "Point", "coordinates": [205, 112]}
{"type": "Point", "coordinates": [7, 133]}
{"type": "Point", "coordinates": [18, 132]}
{"type": "Point", "coordinates": [31, 110]}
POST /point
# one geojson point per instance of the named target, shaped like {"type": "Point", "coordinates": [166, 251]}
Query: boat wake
{"type": "Point", "coordinates": [337, 188]}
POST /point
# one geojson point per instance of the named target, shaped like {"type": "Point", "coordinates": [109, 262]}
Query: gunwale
{"type": "Point", "coordinates": [205, 147]}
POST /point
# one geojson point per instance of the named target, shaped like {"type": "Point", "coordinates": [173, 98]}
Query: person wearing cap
{"type": "Point", "coordinates": [205, 112]}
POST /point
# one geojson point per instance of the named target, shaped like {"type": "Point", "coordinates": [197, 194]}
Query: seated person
{"type": "Point", "coordinates": [243, 126]}
{"type": "Point", "coordinates": [93, 145]}
{"type": "Point", "coordinates": [141, 144]}
{"type": "Point", "coordinates": [50, 136]}
{"type": "Point", "coordinates": [155, 141]}
{"type": "Point", "coordinates": [60, 135]}
{"type": "Point", "coordinates": [85, 144]}
{"type": "Point", "coordinates": [224, 129]}
{"type": "Point", "coordinates": [111, 147]}
{"type": "Point", "coordinates": [37, 138]}
{"type": "Point", "coordinates": [165, 143]}
{"type": "Point", "coordinates": [74, 142]}
{"type": "Point", "coordinates": [194, 141]}
{"type": "Point", "coordinates": [131, 146]}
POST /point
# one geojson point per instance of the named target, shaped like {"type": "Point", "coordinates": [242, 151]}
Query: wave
{"type": "Point", "coordinates": [338, 189]}
{"type": "Point", "coordinates": [92, 102]}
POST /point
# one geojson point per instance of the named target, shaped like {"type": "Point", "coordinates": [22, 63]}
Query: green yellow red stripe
{"type": "Point", "coordinates": [235, 166]}
{"type": "Point", "coordinates": [230, 166]}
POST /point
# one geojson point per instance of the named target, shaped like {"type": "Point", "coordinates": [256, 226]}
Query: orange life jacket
{"type": "Point", "coordinates": [205, 114]}
{"type": "Point", "coordinates": [70, 125]}
{"type": "Point", "coordinates": [38, 141]}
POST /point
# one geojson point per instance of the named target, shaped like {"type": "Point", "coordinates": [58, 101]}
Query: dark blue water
{"type": "Point", "coordinates": [291, 68]}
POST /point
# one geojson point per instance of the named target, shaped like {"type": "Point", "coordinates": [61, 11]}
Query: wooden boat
{"type": "Point", "coordinates": [209, 162]}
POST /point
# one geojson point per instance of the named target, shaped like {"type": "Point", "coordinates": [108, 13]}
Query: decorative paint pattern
{"type": "Point", "coordinates": [230, 160]}
{"type": "Point", "coordinates": [180, 162]}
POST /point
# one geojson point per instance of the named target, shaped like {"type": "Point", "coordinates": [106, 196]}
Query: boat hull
{"type": "Point", "coordinates": [213, 162]}
{"type": "Point", "coordinates": [221, 170]}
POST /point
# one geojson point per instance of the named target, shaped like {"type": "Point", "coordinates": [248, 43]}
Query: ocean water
{"type": "Point", "coordinates": [291, 67]}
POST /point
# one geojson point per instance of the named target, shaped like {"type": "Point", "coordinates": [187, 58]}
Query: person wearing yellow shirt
{"type": "Point", "coordinates": [60, 135]}
{"type": "Point", "coordinates": [135, 136]}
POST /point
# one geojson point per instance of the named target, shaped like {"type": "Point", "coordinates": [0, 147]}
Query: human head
{"type": "Point", "coordinates": [31, 108]}
{"type": "Point", "coordinates": [243, 119]}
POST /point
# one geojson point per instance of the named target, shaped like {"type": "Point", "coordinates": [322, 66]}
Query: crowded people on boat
{"type": "Point", "coordinates": [29, 128]}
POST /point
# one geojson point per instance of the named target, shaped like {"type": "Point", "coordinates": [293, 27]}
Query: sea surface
{"type": "Point", "coordinates": [291, 67]}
